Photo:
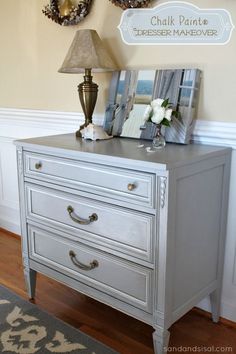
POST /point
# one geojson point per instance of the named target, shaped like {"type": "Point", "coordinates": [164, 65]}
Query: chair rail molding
{"type": "Point", "coordinates": [36, 122]}
{"type": "Point", "coordinates": [23, 123]}
{"type": "Point", "coordinates": [55, 122]}
{"type": "Point", "coordinates": [212, 133]}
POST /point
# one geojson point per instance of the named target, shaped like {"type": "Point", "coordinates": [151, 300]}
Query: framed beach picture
{"type": "Point", "coordinates": [131, 91]}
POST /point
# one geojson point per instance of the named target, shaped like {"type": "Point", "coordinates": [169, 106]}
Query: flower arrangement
{"type": "Point", "coordinates": [160, 112]}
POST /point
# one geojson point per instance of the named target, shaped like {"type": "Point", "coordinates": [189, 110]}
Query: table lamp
{"type": "Point", "coordinates": [85, 54]}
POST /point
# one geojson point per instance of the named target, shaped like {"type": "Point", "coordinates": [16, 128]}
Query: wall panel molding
{"type": "Point", "coordinates": [23, 123]}
{"type": "Point", "coordinates": [215, 133]}
{"type": "Point", "coordinates": [29, 121]}
{"type": "Point", "coordinates": [205, 132]}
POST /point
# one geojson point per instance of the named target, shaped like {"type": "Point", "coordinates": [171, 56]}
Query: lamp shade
{"type": "Point", "coordinates": [87, 52]}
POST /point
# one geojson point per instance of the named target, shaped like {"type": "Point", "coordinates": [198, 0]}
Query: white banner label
{"type": "Point", "coordinates": [176, 22]}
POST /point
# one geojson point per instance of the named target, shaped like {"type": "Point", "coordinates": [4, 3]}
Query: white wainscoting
{"type": "Point", "coordinates": [9, 206]}
{"type": "Point", "coordinates": [19, 123]}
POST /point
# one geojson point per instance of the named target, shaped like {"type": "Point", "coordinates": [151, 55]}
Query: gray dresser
{"type": "Point", "coordinates": [141, 231]}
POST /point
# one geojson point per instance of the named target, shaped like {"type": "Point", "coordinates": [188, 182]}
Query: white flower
{"type": "Point", "coordinates": [147, 112]}
{"type": "Point", "coordinates": [159, 114]}
{"type": "Point", "coordinates": [168, 114]}
{"type": "Point", "coordinates": [157, 102]}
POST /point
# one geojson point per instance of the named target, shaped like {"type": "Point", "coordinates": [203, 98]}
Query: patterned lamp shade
{"type": "Point", "coordinates": [87, 52]}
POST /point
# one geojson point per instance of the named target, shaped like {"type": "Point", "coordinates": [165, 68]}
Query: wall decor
{"type": "Point", "coordinates": [176, 22]}
{"type": "Point", "coordinates": [127, 4]}
{"type": "Point", "coordinates": [67, 13]}
{"type": "Point", "coordinates": [132, 91]}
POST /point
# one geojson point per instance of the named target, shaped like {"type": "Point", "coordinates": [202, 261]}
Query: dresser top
{"type": "Point", "coordinates": [113, 150]}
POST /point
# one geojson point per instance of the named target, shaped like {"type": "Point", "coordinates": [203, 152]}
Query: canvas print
{"type": "Point", "coordinates": [131, 91]}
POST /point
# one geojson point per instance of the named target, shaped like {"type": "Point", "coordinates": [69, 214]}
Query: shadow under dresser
{"type": "Point", "coordinates": [141, 231]}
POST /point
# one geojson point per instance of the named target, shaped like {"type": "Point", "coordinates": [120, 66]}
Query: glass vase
{"type": "Point", "coordinates": [158, 140]}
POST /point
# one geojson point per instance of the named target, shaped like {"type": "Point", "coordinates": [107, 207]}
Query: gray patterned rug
{"type": "Point", "coordinates": [25, 329]}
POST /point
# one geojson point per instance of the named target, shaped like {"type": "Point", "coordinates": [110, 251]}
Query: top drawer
{"type": "Point", "coordinates": [120, 184]}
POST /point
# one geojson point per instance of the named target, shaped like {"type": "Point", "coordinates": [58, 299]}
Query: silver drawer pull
{"type": "Point", "coordinates": [38, 165]}
{"type": "Point", "coordinates": [131, 186]}
{"type": "Point", "coordinates": [79, 220]}
{"type": "Point", "coordinates": [92, 265]}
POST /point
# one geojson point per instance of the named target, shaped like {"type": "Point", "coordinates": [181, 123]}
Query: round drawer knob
{"type": "Point", "coordinates": [131, 186]}
{"type": "Point", "coordinates": [38, 165]}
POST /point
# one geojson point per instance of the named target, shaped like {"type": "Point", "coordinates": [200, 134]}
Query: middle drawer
{"type": "Point", "coordinates": [117, 228]}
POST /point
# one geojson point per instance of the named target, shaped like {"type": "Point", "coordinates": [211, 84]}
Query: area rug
{"type": "Point", "coordinates": [25, 329]}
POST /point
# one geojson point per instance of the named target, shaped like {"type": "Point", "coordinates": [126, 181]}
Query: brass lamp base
{"type": "Point", "coordinates": [88, 92]}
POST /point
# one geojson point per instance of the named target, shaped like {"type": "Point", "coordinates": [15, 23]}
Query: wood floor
{"type": "Point", "coordinates": [113, 328]}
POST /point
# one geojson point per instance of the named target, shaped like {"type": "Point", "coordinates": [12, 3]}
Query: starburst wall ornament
{"type": "Point", "coordinates": [67, 13]}
{"type": "Point", "coordinates": [129, 4]}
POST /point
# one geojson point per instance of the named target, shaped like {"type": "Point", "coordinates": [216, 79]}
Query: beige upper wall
{"type": "Point", "coordinates": [33, 48]}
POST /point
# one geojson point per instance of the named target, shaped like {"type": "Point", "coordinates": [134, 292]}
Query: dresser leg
{"type": "Point", "coordinates": [30, 281]}
{"type": "Point", "coordinates": [160, 340]}
{"type": "Point", "coordinates": [215, 298]}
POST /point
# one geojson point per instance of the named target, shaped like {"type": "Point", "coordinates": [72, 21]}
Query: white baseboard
{"type": "Point", "coordinates": [10, 216]}
{"type": "Point", "coordinates": [9, 225]}
{"type": "Point", "coordinates": [228, 310]}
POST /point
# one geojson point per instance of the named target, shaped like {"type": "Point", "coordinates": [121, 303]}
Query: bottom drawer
{"type": "Point", "coordinates": [121, 279]}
